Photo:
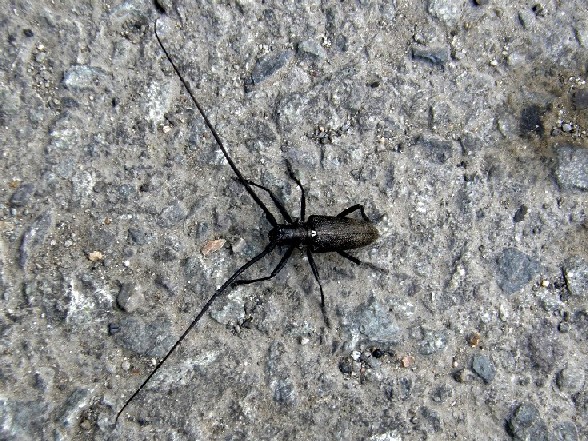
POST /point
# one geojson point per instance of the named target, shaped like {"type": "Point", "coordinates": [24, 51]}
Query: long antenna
{"type": "Point", "coordinates": [270, 217]}
{"type": "Point", "coordinates": [268, 249]}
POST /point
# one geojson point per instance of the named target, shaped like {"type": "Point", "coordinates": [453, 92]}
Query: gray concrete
{"type": "Point", "coordinates": [460, 125]}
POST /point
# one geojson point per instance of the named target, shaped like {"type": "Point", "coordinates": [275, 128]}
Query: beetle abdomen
{"type": "Point", "coordinates": [330, 233]}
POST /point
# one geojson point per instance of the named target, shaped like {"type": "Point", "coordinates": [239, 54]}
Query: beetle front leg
{"type": "Point", "coordinates": [302, 194]}
{"type": "Point", "coordinates": [274, 199]}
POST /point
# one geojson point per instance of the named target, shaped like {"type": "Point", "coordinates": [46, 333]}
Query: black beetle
{"type": "Point", "coordinates": [319, 234]}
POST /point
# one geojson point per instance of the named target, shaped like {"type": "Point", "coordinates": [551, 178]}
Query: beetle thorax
{"type": "Point", "coordinates": [289, 233]}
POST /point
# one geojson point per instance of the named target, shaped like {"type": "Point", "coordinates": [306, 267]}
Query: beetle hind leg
{"type": "Point", "coordinates": [353, 208]}
{"type": "Point", "coordinates": [316, 276]}
{"type": "Point", "coordinates": [274, 273]}
{"type": "Point", "coordinates": [349, 257]}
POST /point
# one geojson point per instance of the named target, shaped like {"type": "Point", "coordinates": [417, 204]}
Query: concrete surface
{"type": "Point", "coordinates": [460, 125]}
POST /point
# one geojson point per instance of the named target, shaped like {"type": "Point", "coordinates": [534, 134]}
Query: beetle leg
{"type": "Point", "coordinates": [268, 249]}
{"type": "Point", "coordinates": [316, 276]}
{"type": "Point", "coordinates": [275, 200]}
{"type": "Point", "coordinates": [349, 257]}
{"type": "Point", "coordinates": [302, 196]}
{"type": "Point", "coordinates": [352, 209]}
{"type": "Point", "coordinates": [276, 270]}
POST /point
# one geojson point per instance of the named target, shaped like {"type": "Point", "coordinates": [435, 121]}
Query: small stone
{"type": "Point", "coordinates": [137, 236]}
{"type": "Point", "coordinates": [269, 65]}
{"type": "Point", "coordinates": [22, 195]}
{"type": "Point", "coordinates": [572, 167]}
{"type": "Point", "coordinates": [86, 424]}
{"type": "Point", "coordinates": [526, 18]}
{"type": "Point", "coordinates": [538, 10]}
{"type": "Point", "coordinates": [83, 77]}
{"type": "Point", "coordinates": [437, 56]}
{"type": "Point", "coordinates": [238, 246]}
{"type": "Point", "coordinates": [113, 328]}
{"type": "Point", "coordinates": [374, 324]}
{"type": "Point", "coordinates": [407, 361]}
{"type": "Point", "coordinates": [567, 127]}
{"type": "Point", "coordinates": [345, 366]}
{"type": "Point", "coordinates": [33, 237]}
{"type": "Point", "coordinates": [284, 392]}
{"type": "Point", "coordinates": [460, 376]}
{"type": "Point", "coordinates": [570, 380]}
{"type": "Point", "coordinates": [545, 348]}
{"type": "Point", "coordinates": [212, 246]}
{"type": "Point", "coordinates": [519, 216]}
{"type": "Point", "coordinates": [95, 256]}
{"type": "Point", "coordinates": [69, 410]}
{"type": "Point", "coordinates": [193, 268]}
{"type": "Point", "coordinates": [474, 339]}
{"type": "Point", "coordinates": [503, 312]}
{"type": "Point", "coordinates": [581, 99]}
{"type": "Point", "coordinates": [231, 310]}
{"type": "Point", "coordinates": [484, 367]}
{"type": "Point", "coordinates": [576, 276]}
{"type": "Point", "coordinates": [152, 339]}
{"type": "Point", "coordinates": [432, 418]}
{"type": "Point", "coordinates": [311, 49]}
{"type": "Point", "coordinates": [515, 270]}
{"type": "Point", "coordinates": [164, 254]}
{"type": "Point", "coordinates": [526, 424]}
{"type": "Point", "coordinates": [378, 353]}
{"type": "Point", "coordinates": [441, 393]}
{"type": "Point", "coordinates": [448, 11]}
{"type": "Point", "coordinates": [172, 215]}
{"type": "Point", "coordinates": [436, 150]}
{"type": "Point", "coordinates": [129, 298]}
{"type": "Point", "coordinates": [531, 121]}
{"type": "Point", "coordinates": [566, 431]}
{"type": "Point", "coordinates": [401, 390]}
{"type": "Point", "coordinates": [432, 342]}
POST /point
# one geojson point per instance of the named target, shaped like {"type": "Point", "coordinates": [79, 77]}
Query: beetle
{"type": "Point", "coordinates": [318, 233]}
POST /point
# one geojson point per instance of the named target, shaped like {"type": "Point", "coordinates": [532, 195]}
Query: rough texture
{"type": "Point", "coordinates": [460, 125]}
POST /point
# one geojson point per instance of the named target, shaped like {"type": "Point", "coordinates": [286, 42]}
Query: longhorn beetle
{"type": "Point", "coordinates": [320, 234]}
